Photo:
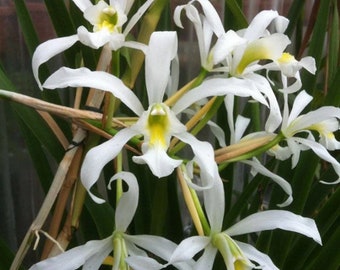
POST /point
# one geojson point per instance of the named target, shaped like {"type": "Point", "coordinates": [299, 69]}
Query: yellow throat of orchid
{"type": "Point", "coordinates": [158, 125]}
{"type": "Point", "coordinates": [107, 20]}
{"type": "Point", "coordinates": [286, 58]}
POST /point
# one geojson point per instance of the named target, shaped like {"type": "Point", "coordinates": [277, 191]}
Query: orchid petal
{"type": "Point", "coordinates": [188, 248]}
{"type": "Point", "coordinates": [225, 44]}
{"type": "Point", "coordinates": [157, 245]}
{"type": "Point", "coordinates": [83, 77]}
{"type": "Point", "coordinates": [322, 152]}
{"type": "Point", "coordinates": [143, 263]}
{"type": "Point", "coordinates": [98, 156]}
{"type": "Point", "coordinates": [276, 219]}
{"type": "Point", "coordinates": [212, 17]}
{"type": "Point", "coordinates": [258, 167]}
{"type": "Point", "coordinates": [98, 39]}
{"type": "Point", "coordinates": [135, 18]}
{"type": "Point", "coordinates": [214, 204]}
{"type": "Point", "coordinates": [217, 87]}
{"type": "Point", "coordinates": [258, 25]}
{"type": "Point", "coordinates": [158, 161]}
{"type": "Point", "coordinates": [47, 50]}
{"type": "Point", "coordinates": [82, 4]}
{"type": "Point", "coordinates": [128, 202]}
{"type": "Point", "coordinates": [162, 46]}
{"type": "Point", "coordinates": [95, 251]}
{"type": "Point", "coordinates": [206, 261]}
{"type": "Point", "coordinates": [255, 255]}
{"type": "Point", "coordinates": [300, 102]}
{"type": "Point", "coordinates": [274, 119]}
{"type": "Point", "coordinates": [203, 151]}
{"type": "Point", "coordinates": [314, 117]}
{"type": "Point", "coordinates": [308, 63]}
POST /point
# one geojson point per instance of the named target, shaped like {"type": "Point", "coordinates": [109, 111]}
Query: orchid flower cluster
{"type": "Point", "coordinates": [252, 65]}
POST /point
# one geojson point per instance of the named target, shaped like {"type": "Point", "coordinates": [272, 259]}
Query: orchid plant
{"type": "Point", "coordinates": [170, 172]}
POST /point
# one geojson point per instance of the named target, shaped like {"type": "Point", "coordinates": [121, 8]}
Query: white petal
{"type": "Point", "coordinates": [206, 261]}
{"type": "Point", "coordinates": [214, 204]}
{"type": "Point", "coordinates": [255, 255]}
{"type": "Point", "coordinates": [162, 50]}
{"type": "Point", "coordinates": [322, 152]}
{"type": "Point", "coordinates": [225, 44]}
{"type": "Point", "coordinates": [203, 151]}
{"type": "Point", "coordinates": [47, 50]}
{"type": "Point", "coordinates": [258, 167]}
{"type": "Point", "coordinates": [218, 87]}
{"type": "Point", "coordinates": [274, 119]}
{"type": "Point", "coordinates": [188, 248]}
{"type": "Point", "coordinates": [308, 63]}
{"type": "Point", "coordinates": [258, 25]}
{"type": "Point", "coordinates": [157, 245]}
{"type": "Point", "coordinates": [97, 157]}
{"type": "Point", "coordinates": [158, 161]}
{"type": "Point", "coordinates": [135, 18]}
{"type": "Point", "coordinates": [276, 219]}
{"type": "Point", "coordinates": [300, 102]}
{"type": "Point", "coordinates": [83, 4]}
{"type": "Point", "coordinates": [83, 77]}
{"type": "Point", "coordinates": [98, 39]}
{"type": "Point", "coordinates": [212, 17]}
{"type": "Point", "coordinates": [315, 117]}
{"type": "Point", "coordinates": [127, 203]}
{"type": "Point", "coordinates": [76, 257]}
{"type": "Point", "coordinates": [143, 263]}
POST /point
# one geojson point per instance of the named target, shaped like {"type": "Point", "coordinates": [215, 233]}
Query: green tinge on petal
{"type": "Point", "coordinates": [267, 48]}
{"type": "Point", "coordinates": [232, 254]}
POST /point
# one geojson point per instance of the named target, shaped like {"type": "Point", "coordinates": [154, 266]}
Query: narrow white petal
{"type": "Point", "coordinates": [255, 255]}
{"type": "Point", "coordinates": [218, 87]}
{"type": "Point", "coordinates": [162, 50]}
{"type": "Point", "coordinates": [157, 245]}
{"type": "Point", "coordinates": [212, 17]}
{"type": "Point", "coordinates": [96, 260]}
{"type": "Point", "coordinates": [47, 50]}
{"type": "Point", "coordinates": [135, 18]}
{"type": "Point", "coordinates": [322, 152]}
{"type": "Point", "coordinates": [143, 263]}
{"type": "Point", "coordinates": [99, 156]}
{"type": "Point", "coordinates": [206, 261]}
{"type": "Point", "coordinates": [300, 102]}
{"type": "Point", "coordinates": [83, 77]}
{"type": "Point", "coordinates": [177, 15]}
{"type": "Point", "coordinates": [258, 167]}
{"type": "Point", "coordinates": [128, 202]}
{"type": "Point", "coordinates": [76, 257]}
{"type": "Point", "coordinates": [187, 249]}
{"type": "Point", "coordinates": [82, 4]}
{"type": "Point", "coordinates": [276, 219]}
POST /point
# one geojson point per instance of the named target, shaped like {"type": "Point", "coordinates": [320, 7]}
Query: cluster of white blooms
{"type": "Point", "coordinates": [234, 64]}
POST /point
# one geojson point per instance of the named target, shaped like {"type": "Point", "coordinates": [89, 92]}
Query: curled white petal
{"type": "Point", "coordinates": [276, 219]}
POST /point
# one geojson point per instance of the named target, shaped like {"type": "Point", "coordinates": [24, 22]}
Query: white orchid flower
{"type": "Point", "coordinates": [124, 246]}
{"type": "Point", "coordinates": [238, 255]}
{"type": "Point", "coordinates": [206, 25]}
{"type": "Point", "coordinates": [290, 68]}
{"type": "Point", "coordinates": [107, 21]}
{"type": "Point", "coordinates": [157, 124]}
{"type": "Point", "coordinates": [324, 120]}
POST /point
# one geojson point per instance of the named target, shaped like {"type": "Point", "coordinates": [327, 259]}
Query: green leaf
{"type": "Point", "coordinates": [234, 17]}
